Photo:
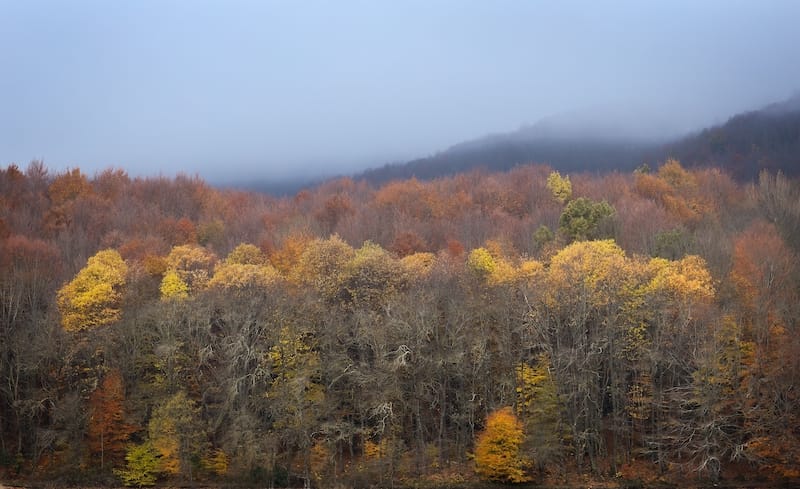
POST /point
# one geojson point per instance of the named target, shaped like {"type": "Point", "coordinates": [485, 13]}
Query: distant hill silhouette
{"type": "Point", "coordinates": [747, 143]}
{"type": "Point", "coordinates": [534, 144]}
{"type": "Point", "coordinates": [766, 139]}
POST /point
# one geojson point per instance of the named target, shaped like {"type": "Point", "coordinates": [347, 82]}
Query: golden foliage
{"type": "Point", "coordinates": [93, 297]}
{"type": "Point", "coordinates": [687, 279]}
{"type": "Point", "coordinates": [188, 270]}
{"type": "Point", "coordinates": [172, 287]}
{"type": "Point", "coordinates": [587, 270]}
{"type": "Point", "coordinates": [375, 451]}
{"type": "Point", "coordinates": [539, 409]}
{"type": "Point", "coordinates": [142, 466]}
{"type": "Point", "coordinates": [372, 276]}
{"type": "Point", "coordinates": [321, 265]}
{"type": "Point", "coordinates": [241, 276]}
{"type": "Point", "coordinates": [418, 264]}
{"type": "Point", "coordinates": [295, 387]}
{"type": "Point", "coordinates": [561, 187]}
{"type": "Point", "coordinates": [216, 462]}
{"type": "Point", "coordinates": [246, 254]}
{"type": "Point", "coordinates": [481, 262]}
{"type": "Point", "coordinates": [497, 448]}
{"type": "Point", "coordinates": [675, 175]}
{"type": "Point", "coordinates": [175, 433]}
{"type": "Point", "coordinates": [530, 270]}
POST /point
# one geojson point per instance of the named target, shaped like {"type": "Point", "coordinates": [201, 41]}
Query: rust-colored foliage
{"type": "Point", "coordinates": [178, 231]}
{"type": "Point", "coordinates": [68, 187]}
{"type": "Point", "coordinates": [65, 190]}
{"type": "Point", "coordinates": [333, 210]}
{"type": "Point", "coordinates": [108, 429]}
{"type": "Point", "coordinates": [410, 197]}
{"type": "Point", "coordinates": [287, 256]}
{"type": "Point", "coordinates": [28, 268]}
{"type": "Point", "coordinates": [408, 243]}
{"type": "Point", "coordinates": [110, 184]}
{"type": "Point", "coordinates": [455, 248]}
{"type": "Point", "coordinates": [676, 190]}
{"type": "Point", "coordinates": [762, 267]}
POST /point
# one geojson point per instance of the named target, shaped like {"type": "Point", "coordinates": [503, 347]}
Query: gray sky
{"type": "Point", "coordinates": [269, 89]}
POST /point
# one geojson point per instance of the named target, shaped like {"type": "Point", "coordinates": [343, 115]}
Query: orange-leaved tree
{"type": "Point", "coordinates": [108, 430]}
{"type": "Point", "coordinates": [497, 450]}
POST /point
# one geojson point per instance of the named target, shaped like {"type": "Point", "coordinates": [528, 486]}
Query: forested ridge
{"type": "Point", "coordinates": [514, 326]}
{"type": "Point", "coordinates": [743, 146]}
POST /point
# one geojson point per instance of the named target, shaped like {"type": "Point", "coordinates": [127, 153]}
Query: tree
{"type": "Point", "coordinates": [296, 392]}
{"type": "Point", "coordinates": [172, 287]}
{"type": "Point", "coordinates": [418, 265]}
{"type": "Point", "coordinates": [238, 276]}
{"type": "Point", "coordinates": [779, 199]}
{"type": "Point", "coordinates": [497, 449]}
{"type": "Point", "coordinates": [581, 218]}
{"type": "Point", "coordinates": [246, 254]}
{"type": "Point", "coordinates": [286, 257]}
{"type": "Point", "coordinates": [764, 276]}
{"type": "Point", "coordinates": [579, 322]}
{"type": "Point", "coordinates": [408, 243]}
{"type": "Point", "coordinates": [192, 265]}
{"type": "Point", "coordinates": [539, 410]}
{"type": "Point", "coordinates": [216, 462]}
{"type": "Point", "coordinates": [371, 277]}
{"type": "Point", "coordinates": [29, 271]}
{"type": "Point", "coordinates": [94, 296]}
{"type": "Point", "coordinates": [542, 236]}
{"type": "Point", "coordinates": [711, 431]}
{"type": "Point", "coordinates": [334, 210]}
{"type": "Point", "coordinates": [175, 431]}
{"type": "Point", "coordinates": [108, 430]}
{"type": "Point", "coordinates": [560, 186]}
{"type": "Point", "coordinates": [142, 466]}
{"type": "Point", "coordinates": [244, 268]}
{"type": "Point", "coordinates": [65, 190]}
{"type": "Point", "coordinates": [481, 262]}
{"type": "Point", "coordinates": [321, 266]}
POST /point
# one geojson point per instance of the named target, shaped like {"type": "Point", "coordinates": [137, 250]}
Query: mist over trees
{"type": "Point", "coordinates": [765, 139]}
{"type": "Point", "coordinates": [511, 326]}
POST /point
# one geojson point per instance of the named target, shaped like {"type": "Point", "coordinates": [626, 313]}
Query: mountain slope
{"type": "Point", "coordinates": [768, 138]}
{"type": "Point", "coordinates": [546, 143]}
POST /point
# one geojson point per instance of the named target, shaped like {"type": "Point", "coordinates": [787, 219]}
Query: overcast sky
{"type": "Point", "coordinates": [268, 89]}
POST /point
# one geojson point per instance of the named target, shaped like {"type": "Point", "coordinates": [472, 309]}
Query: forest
{"type": "Point", "coordinates": [510, 327]}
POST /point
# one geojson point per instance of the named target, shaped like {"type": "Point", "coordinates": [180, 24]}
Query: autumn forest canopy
{"type": "Point", "coordinates": [525, 325]}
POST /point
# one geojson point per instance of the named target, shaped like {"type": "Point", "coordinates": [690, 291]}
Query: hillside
{"type": "Point", "coordinates": [160, 331]}
{"type": "Point", "coordinates": [568, 152]}
{"type": "Point", "coordinates": [768, 138]}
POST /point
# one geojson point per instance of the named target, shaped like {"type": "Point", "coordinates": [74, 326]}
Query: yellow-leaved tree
{"type": "Point", "coordinates": [93, 297]}
{"type": "Point", "coordinates": [539, 410]}
{"type": "Point", "coordinates": [497, 449]}
{"type": "Point", "coordinates": [188, 271]}
{"type": "Point", "coordinates": [489, 264]}
{"type": "Point", "coordinates": [244, 268]}
{"type": "Point", "coordinates": [561, 187]}
{"type": "Point", "coordinates": [320, 266]}
{"type": "Point", "coordinates": [177, 435]}
{"type": "Point", "coordinates": [172, 287]}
